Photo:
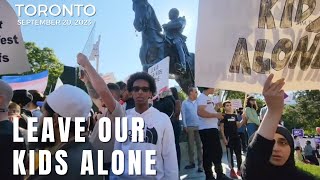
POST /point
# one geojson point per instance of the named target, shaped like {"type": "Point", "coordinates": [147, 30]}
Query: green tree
{"type": "Point", "coordinates": [235, 95]}
{"type": "Point", "coordinates": [229, 95]}
{"type": "Point", "coordinates": [182, 95]}
{"type": "Point", "coordinates": [305, 114]}
{"type": "Point", "coordinates": [44, 59]}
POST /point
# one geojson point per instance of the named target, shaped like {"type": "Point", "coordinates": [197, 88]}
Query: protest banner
{"type": "Point", "coordinates": [236, 103]}
{"type": "Point", "coordinates": [29, 82]}
{"type": "Point", "coordinates": [160, 72]}
{"type": "Point", "coordinates": [290, 99]}
{"type": "Point", "coordinates": [239, 43]}
{"type": "Point", "coordinates": [13, 56]}
{"type": "Point", "coordinates": [216, 99]}
{"type": "Point", "coordinates": [298, 132]}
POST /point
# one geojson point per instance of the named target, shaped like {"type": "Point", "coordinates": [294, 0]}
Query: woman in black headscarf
{"type": "Point", "coordinates": [270, 154]}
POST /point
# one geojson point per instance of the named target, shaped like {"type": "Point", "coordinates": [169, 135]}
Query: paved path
{"type": "Point", "coordinates": [192, 174]}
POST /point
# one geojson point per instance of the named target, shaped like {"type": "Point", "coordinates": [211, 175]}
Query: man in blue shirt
{"type": "Point", "coordinates": [190, 125]}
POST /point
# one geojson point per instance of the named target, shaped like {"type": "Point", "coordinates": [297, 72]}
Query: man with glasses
{"type": "Point", "coordinates": [190, 120]}
{"type": "Point", "coordinates": [158, 132]}
{"type": "Point", "coordinates": [6, 135]}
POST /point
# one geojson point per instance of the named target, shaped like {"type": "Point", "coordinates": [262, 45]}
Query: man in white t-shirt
{"type": "Point", "coordinates": [209, 134]}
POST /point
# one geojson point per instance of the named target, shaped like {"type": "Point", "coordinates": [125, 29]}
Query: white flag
{"type": "Point", "coordinates": [90, 42]}
{"type": "Point", "coordinates": [95, 51]}
{"type": "Point", "coordinates": [58, 84]}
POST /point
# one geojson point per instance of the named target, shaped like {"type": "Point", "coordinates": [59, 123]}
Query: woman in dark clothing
{"type": "Point", "coordinates": [176, 122]}
{"type": "Point", "coordinates": [270, 154]}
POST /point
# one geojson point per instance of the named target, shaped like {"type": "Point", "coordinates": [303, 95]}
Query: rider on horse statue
{"type": "Point", "coordinates": [173, 32]}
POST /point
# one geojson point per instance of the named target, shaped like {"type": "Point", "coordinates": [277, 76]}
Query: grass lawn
{"type": "Point", "coordinates": [311, 169]}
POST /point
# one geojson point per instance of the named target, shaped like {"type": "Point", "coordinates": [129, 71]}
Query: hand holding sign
{"type": "Point", "coordinates": [270, 37]}
{"type": "Point", "coordinates": [13, 56]}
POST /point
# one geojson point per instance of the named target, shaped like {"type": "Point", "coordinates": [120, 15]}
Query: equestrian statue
{"type": "Point", "coordinates": [157, 45]}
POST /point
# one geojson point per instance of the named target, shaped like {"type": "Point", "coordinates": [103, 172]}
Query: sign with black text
{"type": "Point", "coordinates": [13, 56]}
{"type": "Point", "coordinates": [239, 43]}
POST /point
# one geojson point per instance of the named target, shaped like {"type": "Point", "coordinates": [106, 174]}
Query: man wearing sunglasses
{"type": "Point", "coordinates": [6, 135]}
{"type": "Point", "coordinates": [158, 132]}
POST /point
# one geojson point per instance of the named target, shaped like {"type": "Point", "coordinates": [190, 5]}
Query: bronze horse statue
{"type": "Point", "coordinates": [156, 47]}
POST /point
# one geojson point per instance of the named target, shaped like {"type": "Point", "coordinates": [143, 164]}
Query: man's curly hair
{"type": "Point", "coordinates": [143, 76]}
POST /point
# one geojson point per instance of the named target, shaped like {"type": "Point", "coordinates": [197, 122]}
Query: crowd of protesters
{"type": "Point", "coordinates": [270, 153]}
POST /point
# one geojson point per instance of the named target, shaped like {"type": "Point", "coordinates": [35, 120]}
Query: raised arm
{"type": "Point", "coordinates": [260, 148]}
{"type": "Point", "coordinates": [273, 95]}
{"type": "Point", "coordinates": [97, 82]}
{"type": "Point", "coordinates": [91, 91]}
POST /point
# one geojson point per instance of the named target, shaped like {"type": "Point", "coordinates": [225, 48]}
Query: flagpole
{"type": "Point", "coordinates": [92, 31]}
{"type": "Point", "coordinates": [97, 61]}
{"type": "Point", "coordinates": [98, 54]}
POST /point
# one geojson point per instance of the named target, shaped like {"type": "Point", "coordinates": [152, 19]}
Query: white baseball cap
{"type": "Point", "coordinates": [70, 101]}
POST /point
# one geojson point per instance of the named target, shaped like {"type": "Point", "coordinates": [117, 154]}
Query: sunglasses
{"type": "Point", "coordinates": [137, 89]}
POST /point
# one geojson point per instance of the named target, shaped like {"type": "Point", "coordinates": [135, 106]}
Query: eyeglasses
{"type": "Point", "coordinates": [137, 89]}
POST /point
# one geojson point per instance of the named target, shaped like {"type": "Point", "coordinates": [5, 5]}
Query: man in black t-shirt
{"type": "Point", "coordinates": [229, 130]}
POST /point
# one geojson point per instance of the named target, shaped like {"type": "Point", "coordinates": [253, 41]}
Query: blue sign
{"type": "Point", "coordinates": [298, 132]}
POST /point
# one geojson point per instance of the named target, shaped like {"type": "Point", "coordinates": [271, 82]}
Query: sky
{"type": "Point", "coordinates": [120, 43]}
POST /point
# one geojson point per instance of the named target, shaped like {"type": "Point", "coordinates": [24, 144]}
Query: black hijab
{"type": "Point", "coordinates": [289, 169]}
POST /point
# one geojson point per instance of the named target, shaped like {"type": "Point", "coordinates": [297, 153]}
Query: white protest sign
{"type": "Point", "coordinates": [290, 99]}
{"type": "Point", "coordinates": [216, 99]}
{"type": "Point", "coordinates": [239, 43]}
{"type": "Point", "coordinates": [13, 56]}
{"type": "Point", "coordinates": [109, 78]}
{"type": "Point", "coordinates": [160, 72]}
{"type": "Point", "coordinates": [236, 103]}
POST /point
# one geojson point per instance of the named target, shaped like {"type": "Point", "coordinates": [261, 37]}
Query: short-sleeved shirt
{"type": "Point", "coordinates": [207, 123]}
{"type": "Point", "coordinates": [94, 137]}
{"type": "Point", "coordinates": [189, 113]}
{"type": "Point", "coordinates": [230, 126]}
